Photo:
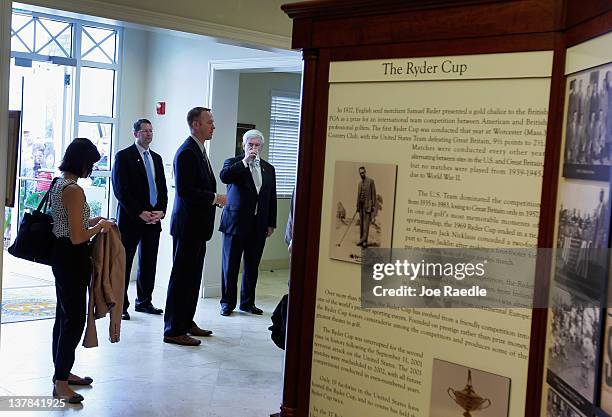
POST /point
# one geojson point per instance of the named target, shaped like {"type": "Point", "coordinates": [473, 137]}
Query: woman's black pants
{"type": "Point", "coordinates": [72, 269]}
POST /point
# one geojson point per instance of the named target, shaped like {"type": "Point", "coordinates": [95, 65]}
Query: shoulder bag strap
{"type": "Point", "coordinates": [44, 203]}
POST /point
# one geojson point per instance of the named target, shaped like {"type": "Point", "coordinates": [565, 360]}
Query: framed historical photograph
{"type": "Point", "coordinates": [573, 350]}
{"type": "Point", "coordinates": [582, 237]}
{"type": "Point", "coordinates": [557, 406]}
{"type": "Point", "coordinates": [588, 124]}
{"type": "Point", "coordinates": [460, 390]}
{"type": "Point", "coordinates": [363, 207]}
{"type": "Point", "coordinates": [14, 130]}
{"type": "Point", "coordinates": [241, 129]}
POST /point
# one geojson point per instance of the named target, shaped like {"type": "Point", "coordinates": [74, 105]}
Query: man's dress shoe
{"type": "Point", "coordinates": [225, 311]}
{"type": "Point", "coordinates": [252, 310]}
{"type": "Point", "coordinates": [149, 309]}
{"type": "Point", "coordinates": [196, 331]}
{"type": "Point", "coordinates": [125, 315]}
{"type": "Point", "coordinates": [182, 340]}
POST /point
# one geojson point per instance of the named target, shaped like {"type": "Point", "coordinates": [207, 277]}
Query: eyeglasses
{"type": "Point", "coordinates": [145, 131]}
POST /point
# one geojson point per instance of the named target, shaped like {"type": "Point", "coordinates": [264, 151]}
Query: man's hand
{"type": "Point", "coordinates": [270, 231]}
{"type": "Point", "coordinates": [146, 216]}
{"type": "Point", "coordinates": [156, 216]}
{"type": "Point", "coordinates": [221, 200]}
{"type": "Point", "coordinates": [249, 156]}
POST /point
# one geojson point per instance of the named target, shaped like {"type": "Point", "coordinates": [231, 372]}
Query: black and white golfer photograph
{"type": "Point", "coordinates": [582, 237]}
{"type": "Point", "coordinates": [363, 206]}
{"type": "Point", "coordinates": [459, 390]}
{"type": "Point", "coordinates": [557, 406]}
{"type": "Point", "coordinates": [588, 124]}
{"type": "Point", "coordinates": [573, 351]}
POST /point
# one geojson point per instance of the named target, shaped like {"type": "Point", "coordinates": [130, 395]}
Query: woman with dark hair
{"type": "Point", "coordinates": [72, 261]}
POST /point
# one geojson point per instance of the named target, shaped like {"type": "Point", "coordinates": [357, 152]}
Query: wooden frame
{"type": "Point", "coordinates": [241, 129]}
{"type": "Point", "coordinates": [12, 162]}
{"type": "Point", "coordinates": [340, 30]}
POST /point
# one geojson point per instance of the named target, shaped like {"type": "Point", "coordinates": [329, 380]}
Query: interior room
{"type": "Point", "coordinates": [75, 75]}
{"type": "Point", "coordinates": [448, 165]}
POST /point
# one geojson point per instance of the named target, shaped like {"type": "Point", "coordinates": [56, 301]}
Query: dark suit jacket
{"type": "Point", "coordinates": [369, 203]}
{"type": "Point", "coordinates": [193, 216]}
{"type": "Point", "coordinates": [242, 198]}
{"type": "Point", "coordinates": [131, 187]}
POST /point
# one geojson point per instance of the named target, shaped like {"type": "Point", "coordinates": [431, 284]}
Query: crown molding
{"type": "Point", "coordinates": [255, 63]}
{"type": "Point", "coordinates": [333, 8]}
{"type": "Point", "coordinates": [128, 14]}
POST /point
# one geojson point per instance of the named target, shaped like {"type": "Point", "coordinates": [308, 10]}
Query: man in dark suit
{"type": "Point", "coordinates": [247, 220]}
{"type": "Point", "coordinates": [139, 184]}
{"type": "Point", "coordinates": [366, 206]}
{"type": "Point", "coordinates": [191, 227]}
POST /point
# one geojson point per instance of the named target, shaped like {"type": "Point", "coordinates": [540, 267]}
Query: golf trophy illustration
{"type": "Point", "coordinates": [468, 399]}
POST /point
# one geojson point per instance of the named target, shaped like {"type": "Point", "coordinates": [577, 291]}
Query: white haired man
{"type": "Point", "coordinates": [247, 220]}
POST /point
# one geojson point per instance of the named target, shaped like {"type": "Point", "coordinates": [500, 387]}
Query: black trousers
{"type": "Point", "coordinates": [184, 286]}
{"type": "Point", "coordinates": [72, 269]}
{"type": "Point", "coordinates": [146, 240]}
{"type": "Point", "coordinates": [249, 247]}
{"type": "Point", "coordinates": [365, 219]}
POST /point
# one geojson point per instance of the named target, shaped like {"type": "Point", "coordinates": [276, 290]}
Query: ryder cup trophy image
{"type": "Point", "coordinates": [485, 394]}
{"type": "Point", "coordinates": [468, 399]}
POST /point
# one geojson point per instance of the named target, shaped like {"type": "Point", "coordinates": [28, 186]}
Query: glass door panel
{"type": "Point", "coordinates": [96, 192]}
{"type": "Point", "coordinates": [43, 93]}
{"type": "Point", "coordinates": [101, 136]}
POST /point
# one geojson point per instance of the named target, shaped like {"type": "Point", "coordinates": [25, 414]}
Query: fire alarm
{"type": "Point", "coordinates": [160, 107]}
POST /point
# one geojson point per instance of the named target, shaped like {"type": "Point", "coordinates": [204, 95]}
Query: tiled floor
{"type": "Point", "coordinates": [235, 373]}
{"type": "Point", "coordinates": [28, 291]}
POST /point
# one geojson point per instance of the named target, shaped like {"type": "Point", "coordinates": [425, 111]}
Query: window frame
{"type": "Point", "coordinates": [74, 60]}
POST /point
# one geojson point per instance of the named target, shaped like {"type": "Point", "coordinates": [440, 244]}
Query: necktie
{"type": "Point", "coordinates": [149, 169]}
{"type": "Point", "coordinates": [255, 174]}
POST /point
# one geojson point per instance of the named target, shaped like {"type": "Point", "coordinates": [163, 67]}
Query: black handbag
{"type": "Point", "coordinates": [35, 238]}
{"type": "Point", "coordinates": [279, 323]}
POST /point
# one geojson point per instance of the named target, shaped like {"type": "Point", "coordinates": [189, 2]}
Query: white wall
{"type": "Point", "coordinates": [132, 88]}
{"type": "Point", "coordinates": [225, 101]}
{"type": "Point", "coordinates": [178, 75]}
{"type": "Point", "coordinates": [254, 108]}
{"type": "Point", "coordinates": [134, 75]}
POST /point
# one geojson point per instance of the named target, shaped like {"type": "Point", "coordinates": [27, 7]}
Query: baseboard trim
{"type": "Point", "coordinates": [211, 291]}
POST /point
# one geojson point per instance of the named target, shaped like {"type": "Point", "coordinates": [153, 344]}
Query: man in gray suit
{"type": "Point", "coordinates": [366, 206]}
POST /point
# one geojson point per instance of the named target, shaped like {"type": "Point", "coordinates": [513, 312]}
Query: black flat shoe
{"type": "Point", "coordinates": [81, 381]}
{"type": "Point", "coordinates": [73, 399]}
{"type": "Point", "coordinates": [125, 315]}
